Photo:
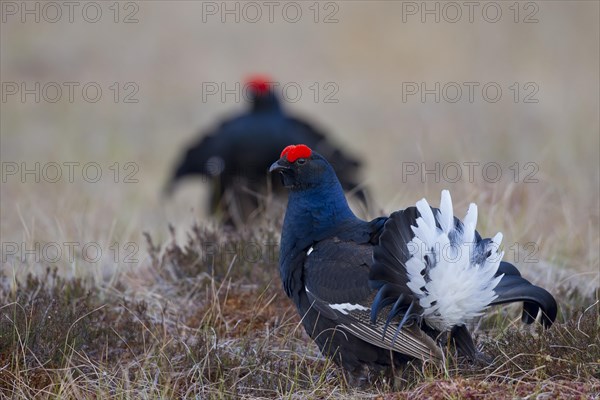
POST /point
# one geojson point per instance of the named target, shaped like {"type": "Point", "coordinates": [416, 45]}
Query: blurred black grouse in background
{"type": "Point", "coordinates": [373, 294]}
{"type": "Point", "coordinates": [236, 156]}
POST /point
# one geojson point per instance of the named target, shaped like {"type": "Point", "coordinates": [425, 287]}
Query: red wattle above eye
{"type": "Point", "coordinates": [294, 152]}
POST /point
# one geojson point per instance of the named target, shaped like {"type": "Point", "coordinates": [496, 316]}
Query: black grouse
{"type": "Point", "coordinates": [236, 155]}
{"type": "Point", "coordinates": [380, 293]}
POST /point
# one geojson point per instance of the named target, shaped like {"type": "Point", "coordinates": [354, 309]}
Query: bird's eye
{"type": "Point", "coordinates": [301, 161]}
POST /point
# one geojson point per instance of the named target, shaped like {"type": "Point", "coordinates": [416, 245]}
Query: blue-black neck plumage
{"type": "Point", "coordinates": [265, 102]}
{"type": "Point", "coordinates": [312, 214]}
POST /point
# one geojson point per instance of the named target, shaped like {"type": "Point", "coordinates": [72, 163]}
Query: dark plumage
{"type": "Point", "coordinates": [236, 155]}
{"type": "Point", "coordinates": [396, 283]}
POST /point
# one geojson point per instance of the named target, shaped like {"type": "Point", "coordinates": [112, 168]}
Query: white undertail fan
{"type": "Point", "coordinates": [452, 276]}
{"type": "Point", "coordinates": [430, 267]}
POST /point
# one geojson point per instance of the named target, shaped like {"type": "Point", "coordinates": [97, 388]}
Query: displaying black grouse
{"type": "Point", "coordinates": [236, 155]}
{"type": "Point", "coordinates": [372, 294]}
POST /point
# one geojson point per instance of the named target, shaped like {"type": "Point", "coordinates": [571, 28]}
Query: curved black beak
{"type": "Point", "coordinates": [279, 166]}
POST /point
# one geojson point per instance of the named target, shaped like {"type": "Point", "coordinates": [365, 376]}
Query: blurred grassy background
{"type": "Point", "coordinates": [368, 54]}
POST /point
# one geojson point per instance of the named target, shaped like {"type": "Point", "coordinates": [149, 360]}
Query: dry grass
{"type": "Point", "coordinates": [223, 328]}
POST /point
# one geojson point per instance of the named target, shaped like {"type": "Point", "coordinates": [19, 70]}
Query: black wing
{"type": "Point", "coordinates": [336, 275]}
